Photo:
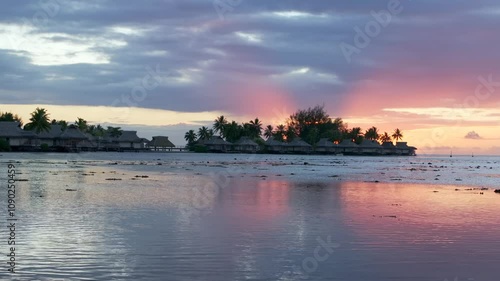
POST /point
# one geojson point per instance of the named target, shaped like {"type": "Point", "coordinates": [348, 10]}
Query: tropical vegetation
{"type": "Point", "coordinates": [310, 125]}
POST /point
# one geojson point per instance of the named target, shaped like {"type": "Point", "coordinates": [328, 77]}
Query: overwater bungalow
{"type": "Point", "coordinates": [275, 146]}
{"type": "Point", "coordinates": [246, 145]}
{"type": "Point", "coordinates": [129, 140]}
{"type": "Point", "coordinates": [388, 148]}
{"type": "Point", "coordinates": [216, 144]}
{"type": "Point", "coordinates": [402, 148]}
{"type": "Point", "coordinates": [325, 146]}
{"type": "Point", "coordinates": [17, 138]}
{"type": "Point", "coordinates": [50, 137]}
{"type": "Point", "coordinates": [160, 143]}
{"type": "Point", "coordinates": [297, 145]}
{"type": "Point", "coordinates": [369, 147]}
{"type": "Point", "coordinates": [348, 147]}
{"type": "Point", "coordinates": [72, 139]}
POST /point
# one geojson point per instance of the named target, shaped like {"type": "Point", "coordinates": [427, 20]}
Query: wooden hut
{"type": "Point", "coordinates": [348, 147]}
{"type": "Point", "coordinates": [388, 148]}
{"type": "Point", "coordinates": [72, 139]}
{"type": "Point", "coordinates": [160, 143]}
{"type": "Point", "coordinates": [129, 140]}
{"type": "Point", "coordinates": [246, 145]}
{"type": "Point", "coordinates": [325, 146]}
{"type": "Point", "coordinates": [402, 148]}
{"type": "Point", "coordinates": [297, 145]}
{"type": "Point", "coordinates": [370, 147]}
{"type": "Point", "coordinates": [17, 138]}
{"type": "Point", "coordinates": [51, 137]}
{"type": "Point", "coordinates": [216, 144]}
{"type": "Point", "coordinates": [274, 146]}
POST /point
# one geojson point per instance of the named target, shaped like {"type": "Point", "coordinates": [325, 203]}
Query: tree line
{"type": "Point", "coordinates": [40, 122]}
{"type": "Point", "coordinates": [310, 125]}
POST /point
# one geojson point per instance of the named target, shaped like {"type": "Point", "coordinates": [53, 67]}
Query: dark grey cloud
{"type": "Point", "coordinates": [205, 61]}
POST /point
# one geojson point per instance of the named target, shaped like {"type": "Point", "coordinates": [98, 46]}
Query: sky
{"type": "Point", "coordinates": [164, 67]}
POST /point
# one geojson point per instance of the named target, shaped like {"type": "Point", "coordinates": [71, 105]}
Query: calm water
{"type": "Point", "coordinates": [173, 222]}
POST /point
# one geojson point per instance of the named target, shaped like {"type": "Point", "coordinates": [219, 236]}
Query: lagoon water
{"type": "Point", "coordinates": [181, 216]}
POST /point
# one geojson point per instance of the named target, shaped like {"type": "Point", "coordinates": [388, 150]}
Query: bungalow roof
{"type": "Point", "coordinates": [298, 142]}
{"type": "Point", "coordinates": [325, 143]}
{"type": "Point", "coordinates": [12, 130]}
{"type": "Point", "coordinates": [347, 143]}
{"type": "Point", "coordinates": [215, 140]}
{"type": "Point", "coordinates": [129, 136]}
{"type": "Point", "coordinates": [73, 133]}
{"type": "Point", "coordinates": [55, 131]}
{"type": "Point", "coordinates": [246, 141]}
{"type": "Point", "coordinates": [370, 144]}
{"type": "Point", "coordinates": [161, 141]}
{"type": "Point", "coordinates": [273, 142]}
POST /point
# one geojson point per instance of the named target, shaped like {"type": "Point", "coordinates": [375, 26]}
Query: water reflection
{"type": "Point", "coordinates": [185, 227]}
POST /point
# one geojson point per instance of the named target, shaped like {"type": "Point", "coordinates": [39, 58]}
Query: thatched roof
{"type": "Point", "coordinates": [298, 142]}
{"type": "Point", "coordinates": [161, 141]}
{"type": "Point", "coordinates": [325, 143]}
{"type": "Point", "coordinates": [129, 136]}
{"type": "Point", "coordinates": [54, 132]}
{"type": "Point", "coordinates": [369, 144]}
{"type": "Point", "coordinates": [73, 133]}
{"type": "Point", "coordinates": [12, 130]}
{"type": "Point", "coordinates": [402, 145]}
{"type": "Point", "coordinates": [388, 145]}
{"type": "Point", "coordinates": [246, 141]}
{"type": "Point", "coordinates": [273, 142]}
{"type": "Point", "coordinates": [347, 143]}
{"type": "Point", "coordinates": [215, 140]}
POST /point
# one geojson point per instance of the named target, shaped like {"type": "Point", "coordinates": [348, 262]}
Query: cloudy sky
{"type": "Point", "coordinates": [164, 67]}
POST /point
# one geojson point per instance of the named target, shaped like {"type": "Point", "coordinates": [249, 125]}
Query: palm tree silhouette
{"type": "Point", "coordinates": [203, 133]}
{"type": "Point", "coordinates": [385, 137]}
{"type": "Point", "coordinates": [82, 124]}
{"type": "Point", "coordinates": [190, 137]}
{"type": "Point", "coordinates": [256, 127]}
{"type": "Point", "coordinates": [397, 135]}
{"type": "Point", "coordinates": [269, 132]}
{"type": "Point", "coordinates": [39, 121]}
{"type": "Point", "coordinates": [220, 124]}
{"type": "Point", "coordinates": [372, 134]}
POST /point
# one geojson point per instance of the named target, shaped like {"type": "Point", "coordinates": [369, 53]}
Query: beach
{"type": "Point", "coordinates": [185, 216]}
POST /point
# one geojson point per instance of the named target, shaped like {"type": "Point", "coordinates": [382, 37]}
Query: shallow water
{"type": "Point", "coordinates": [180, 221]}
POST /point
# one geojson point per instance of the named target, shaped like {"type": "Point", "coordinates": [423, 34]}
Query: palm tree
{"type": "Point", "coordinates": [39, 121]}
{"type": "Point", "coordinates": [256, 127]}
{"type": "Point", "coordinates": [203, 133]}
{"type": "Point", "coordinates": [385, 137]}
{"type": "Point", "coordinates": [82, 124]}
{"type": "Point", "coordinates": [397, 135]}
{"type": "Point", "coordinates": [354, 133]}
{"type": "Point", "coordinates": [269, 131]}
{"type": "Point", "coordinates": [219, 125]}
{"type": "Point", "coordinates": [10, 117]}
{"type": "Point", "coordinates": [62, 123]}
{"type": "Point", "coordinates": [280, 132]}
{"type": "Point", "coordinates": [233, 131]}
{"type": "Point", "coordinates": [372, 134]}
{"type": "Point", "coordinates": [190, 137]}
{"type": "Point", "coordinates": [114, 132]}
